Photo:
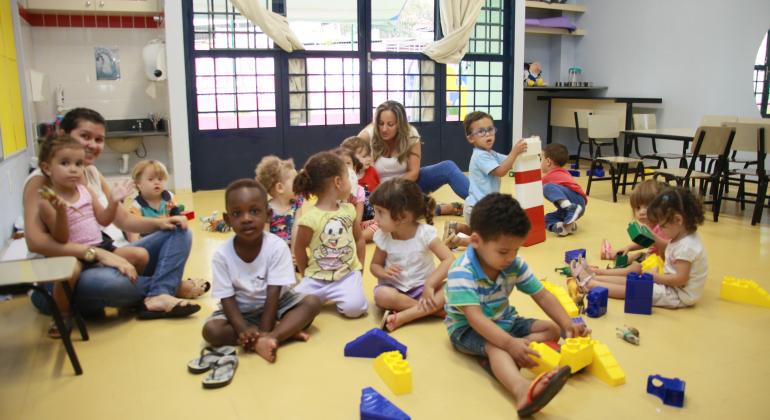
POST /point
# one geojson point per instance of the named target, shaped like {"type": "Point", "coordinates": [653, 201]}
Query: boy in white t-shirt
{"type": "Point", "coordinates": [252, 276]}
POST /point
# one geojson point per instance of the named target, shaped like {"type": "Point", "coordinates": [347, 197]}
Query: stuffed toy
{"type": "Point", "coordinates": [533, 74]}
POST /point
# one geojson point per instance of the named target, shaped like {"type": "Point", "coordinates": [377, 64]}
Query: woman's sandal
{"type": "Point", "coordinates": [536, 403]}
{"type": "Point", "coordinates": [208, 358]}
{"type": "Point", "coordinates": [222, 372]}
{"type": "Point", "coordinates": [579, 267]}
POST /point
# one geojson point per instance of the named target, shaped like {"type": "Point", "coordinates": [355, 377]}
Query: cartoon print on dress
{"type": "Point", "coordinates": [336, 248]}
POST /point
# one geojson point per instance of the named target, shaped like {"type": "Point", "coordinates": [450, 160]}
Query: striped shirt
{"type": "Point", "coordinates": [467, 285]}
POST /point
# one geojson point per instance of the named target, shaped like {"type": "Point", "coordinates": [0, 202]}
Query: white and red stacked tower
{"type": "Point", "coordinates": [529, 189]}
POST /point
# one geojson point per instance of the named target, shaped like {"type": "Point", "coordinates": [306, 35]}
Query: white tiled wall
{"type": "Point", "coordinates": [66, 56]}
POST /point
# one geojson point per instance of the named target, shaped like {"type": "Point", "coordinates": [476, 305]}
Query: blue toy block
{"type": "Point", "coordinates": [671, 391]}
{"type": "Point", "coordinates": [639, 293]}
{"type": "Point", "coordinates": [376, 407]}
{"type": "Point", "coordinates": [578, 320]}
{"type": "Point", "coordinates": [598, 172]}
{"type": "Point", "coordinates": [574, 254]}
{"type": "Point", "coordinates": [373, 343]}
{"type": "Point", "coordinates": [597, 302]}
{"type": "Point", "coordinates": [574, 166]}
{"type": "Point", "coordinates": [574, 173]}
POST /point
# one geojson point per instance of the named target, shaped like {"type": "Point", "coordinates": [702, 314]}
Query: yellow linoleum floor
{"type": "Point", "coordinates": [136, 369]}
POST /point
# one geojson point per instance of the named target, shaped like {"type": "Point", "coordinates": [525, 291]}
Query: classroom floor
{"type": "Point", "coordinates": [136, 369]}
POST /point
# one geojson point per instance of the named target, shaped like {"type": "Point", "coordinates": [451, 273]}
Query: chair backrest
{"type": "Point", "coordinates": [715, 140]}
{"type": "Point", "coordinates": [747, 132]}
{"type": "Point", "coordinates": [581, 118]}
{"type": "Point", "coordinates": [603, 126]}
{"type": "Point", "coordinates": [717, 120]}
{"type": "Point", "coordinates": [645, 122]}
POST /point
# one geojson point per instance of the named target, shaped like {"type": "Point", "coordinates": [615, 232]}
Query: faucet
{"type": "Point", "coordinates": [138, 125]}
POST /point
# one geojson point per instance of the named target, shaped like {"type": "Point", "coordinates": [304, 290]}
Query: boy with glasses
{"type": "Point", "coordinates": [485, 169]}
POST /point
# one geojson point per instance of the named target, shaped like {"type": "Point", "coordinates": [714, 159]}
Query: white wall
{"type": "Point", "coordinates": [177, 85]}
{"type": "Point", "coordinates": [698, 55]}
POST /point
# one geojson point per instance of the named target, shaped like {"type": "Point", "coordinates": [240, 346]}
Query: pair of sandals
{"type": "Point", "coordinates": [222, 361]}
{"type": "Point", "coordinates": [537, 402]}
{"type": "Point", "coordinates": [581, 272]}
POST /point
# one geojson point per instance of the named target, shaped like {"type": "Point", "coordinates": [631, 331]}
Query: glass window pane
{"type": "Point", "coordinates": [247, 102]}
{"type": "Point", "coordinates": [266, 101]}
{"type": "Point", "coordinates": [334, 83]}
{"type": "Point", "coordinates": [334, 100]}
{"type": "Point", "coordinates": [334, 116]}
{"type": "Point", "coordinates": [400, 25]}
{"type": "Point", "coordinates": [205, 85]}
{"type": "Point", "coordinates": [204, 66]}
{"type": "Point", "coordinates": [226, 102]}
{"type": "Point", "coordinates": [496, 112]}
{"type": "Point", "coordinates": [267, 119]}
{"type": "Point", "coordinates": [352, 116]}
{"type": "Point", "coordinates": [496, 83]}
{"type": "Point", "coordinates": [227, 120]}
{"type": "Point", "coordinates": [266, 83]}
{"type": "Point", "coordinates": [316, 84]}
{"type": "Point", "coordinates": [317, 117]}
{"type": "Point", "coordinates": [379, 82]}
{"type": "Point", "coordinates": [316, 100]}
{"type": "Point", "coordinates": [247, 120]}
{"type": "Point", "coordinates": [225, 84]}
{"type": "Point", "coordinates": [333, 66]}
{"type": "Point", "coordinates": [206, 103]}
{"type": "Point", "coordinates": [496, 68]}
{"type": "Point", "coordinates": [315, 66]}
{"type": "Point", "coordinates": [245, 65]}
{"type": "Point", "coordinates": [265, 65]}
{"type": "Point", "coordinates": [246, 84]}
{"type": "Point", "coordinates": [379, 66]}
{"type": "Point", "coordinates": [298, 118]}
{"type": "Point", "coordinates": [207, 121]}
{"type": "Point", "coordinates": [330, 26]}
{"type": "Point", "coordinates": [225, 66]}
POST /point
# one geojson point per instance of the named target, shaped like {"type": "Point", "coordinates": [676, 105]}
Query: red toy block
{"type": "Point", "coordinates": [189, 214]}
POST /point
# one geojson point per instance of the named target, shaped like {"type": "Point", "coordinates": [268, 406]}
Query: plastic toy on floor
{"type": "Point", "coordinates": [394, 371]}
{"type": "Point", "coordinates": [743, 291]}
{"type": "Point", "coordinates": [214, 224]}
{"type": "Point", "coordinates": [670, 390]}
{"type": "Point", "coordinates": [638, 294]}
{"type": "Point", "coordinates": [628, 334]}
{"type": "Point", "coordinates": [653, 263]}
{"type": "Point", "coordinates": [598, 171]}
{"type": "Point", "coordinates": [621, 260]}
{"type": "Point", "coordinates": [597, 302]}
{"type": "Point", "coordinates": [640, 234]}
{"type": "Point", "coordinates": [373, 343]}
{"type": "Point", "coordinates": [574, 254]}
{"type": "Point", "coordinates": [564, 271]}
{"type": "Point", "coordinates": [374, 406]}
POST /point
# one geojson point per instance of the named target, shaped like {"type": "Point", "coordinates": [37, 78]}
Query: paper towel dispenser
{"type": "Point", "coordinates": [154, 57]}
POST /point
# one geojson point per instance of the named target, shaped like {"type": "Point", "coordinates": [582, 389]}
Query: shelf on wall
{"type": "Point", "coordinates": [563, 88]}
{"type": "Point", "coordinates": [553, 31]}
{"type": "Point", "coordinates": [577, 8]}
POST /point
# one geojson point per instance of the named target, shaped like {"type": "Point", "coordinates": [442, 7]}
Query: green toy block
{"type": "Point", "coordinates": [640, 234]}
{"type": "Point", "coordinates": [621, 260]}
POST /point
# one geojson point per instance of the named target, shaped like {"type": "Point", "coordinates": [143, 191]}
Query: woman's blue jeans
{"type": "Point", "coordinates": [433, 177]}
{"type": "Point", "coordinates": [100, 286]}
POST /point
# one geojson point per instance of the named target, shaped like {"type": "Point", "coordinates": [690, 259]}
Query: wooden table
{"type": "Point", "coordinates": [32, 274]}
{"type": "Point", "coordinates": [685, 135]}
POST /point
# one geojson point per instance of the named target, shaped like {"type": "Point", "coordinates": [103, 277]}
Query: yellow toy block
{"type": "Point", "coordinates": [652, 262]}
{"type": "Point", "coordinates": [549, 358]}
{"type": "Point", "coordinates": [394, 371]}
{"type": "Point", "coordinates": [604, 366]}
{"type": "Point", "coordinates": [577, 353]}
{"type": "Point", "coordinates": [743, 291]}
{"type": "Point", "coordinates": [563, 297]}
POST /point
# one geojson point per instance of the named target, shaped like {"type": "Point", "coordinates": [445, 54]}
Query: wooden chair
{"type": "Point", "coordinates": [649, 122]}
{"type": "Point", "coordinates": [605, 129]}
{"type": "Point", "coordinates": [714, 121]}
{"type": "Point", "coordinates": [714, 141]}
{"type": "Point", "coordinates": [32, 274]}
{"type": "Point", "coordinates": [751, 136]}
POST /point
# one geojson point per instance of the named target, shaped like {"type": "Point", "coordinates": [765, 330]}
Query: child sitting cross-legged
{"type": "Point", "coordinates": [253, 274]}
{"type": "Point", "coordinates": [403, 258]}
{"type": "Point", "coordinates": [561, 189]}
{"type": "Point", "coordinates": [480, 319]}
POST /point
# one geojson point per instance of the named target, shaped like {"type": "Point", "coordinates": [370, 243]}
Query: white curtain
{"type": "Point", "coordinates": [272, 24]}
{"type": "Point", "coordinates": [458, 19]}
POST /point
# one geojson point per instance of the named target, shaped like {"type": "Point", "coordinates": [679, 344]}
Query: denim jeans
{"type": "Point", "coordinates": [555, 193]}
{"type": "Point", "coordinates": [433, 177]}
{"type": "Point", "coordinates": [100, 286]}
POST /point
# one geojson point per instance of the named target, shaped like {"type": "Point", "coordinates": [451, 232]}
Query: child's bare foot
{"type": "Point", "coordinates": [301, 335]}
{"type": "Point", "coordinates": [391, 322]}
{"type": "Point", "coordinates": [266, 347]}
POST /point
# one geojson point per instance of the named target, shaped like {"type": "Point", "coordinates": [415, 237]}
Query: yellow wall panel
{"type": "Point", "coordinates": [7, 28]}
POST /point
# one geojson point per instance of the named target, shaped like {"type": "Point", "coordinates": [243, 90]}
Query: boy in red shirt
{"type": "Point", "coordinates": [561, 189]}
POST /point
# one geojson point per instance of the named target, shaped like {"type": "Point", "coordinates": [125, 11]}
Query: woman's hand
{"type": "Point", "coordinates": [110, 259]}
{"type": "Point", "coordinates": [171, 223]}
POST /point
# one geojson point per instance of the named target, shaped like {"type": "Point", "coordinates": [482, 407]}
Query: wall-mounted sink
{"type": "Point", "coordinates": [124, 144]}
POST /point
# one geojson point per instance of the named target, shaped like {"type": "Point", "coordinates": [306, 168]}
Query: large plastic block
{"type": "Point", "coordinates": [574, 173]}
{"type": "Point", "coordinates": [534, 146]}
{"type": "Point", "coordinates": [604, 366]}
{"type": "Point", "coordinates": [376, 407]}
{"type": "Point", "coordinates": [597, 302]}
{"type": "Point", "coordinates": [743, 291]}
{"type": "Point", "coordinates": [638, 294]}
{"type": "Point", "coordinates": [621, 260]}
{"type": "Point", "coordinates": [653, 263]}
{"type": "Point", "coordinates": [576, 353]}
{"type": "Point", "coordinates": [373, 343]}
{"type": "Point", "coordinates": [670, 390]}
{"type": "Point", "coordinates": [574, 255]}
{"type": "Point", "coordinates": [563, 297]}
{"type": "Point", "coordinates": [394, 371]}
{"type": "Point", "coordinates": [549, 358]}
{"type": "Point", "coordinates": [640, 234]}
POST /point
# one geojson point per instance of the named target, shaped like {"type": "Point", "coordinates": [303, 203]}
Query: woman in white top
{"type": "Point", "coordinates": [106, 284]}
{"type": "Point", "coordinates": [397, 150]}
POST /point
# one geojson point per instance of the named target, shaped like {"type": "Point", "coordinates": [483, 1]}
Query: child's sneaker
{"type": "Point", "coordinates": [571, 228]}
{"type": "Point", "coordinates": [559, 229]}
{"type": "Point", "coordinates": [573, 213]}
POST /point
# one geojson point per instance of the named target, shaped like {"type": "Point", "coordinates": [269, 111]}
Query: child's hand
{"type": "Point", "coordinates": [121, 190]}
{"type": "Point", "coordinates": [171, 223]}
{"type": "Point", "coordinates": [49, 195]}
{"type": "Point", "coordinates": [519, 349]}
{"type": "Point", "coordinates": [577, 330]}
{"type": "Point", "coordinates": [428, 299]}
{"type": "Point", "coordinates": [248, 338]}
{"type": "Point", "coordinates": [392, 271]}
{"type": "Point", "coordinates": [519, 148]}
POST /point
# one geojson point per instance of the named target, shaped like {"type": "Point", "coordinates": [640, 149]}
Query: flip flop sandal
{"type": "Point", "coordinates": [178, 311]}
{"type": "Point", "coordinates": [458, 208]}
{"type": "Point", "coordinates": [384, 319]}
{"type": "Point", "coordinates": [535, 404]}
{"type": "Point", "coordinates": [222, 372]}
{"type": "Point", "coordinates": [452, 242]}
{"type": "Point", "coordinates": [577, 267]}
{"type": "Point", "coordinates": [208, 358]}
